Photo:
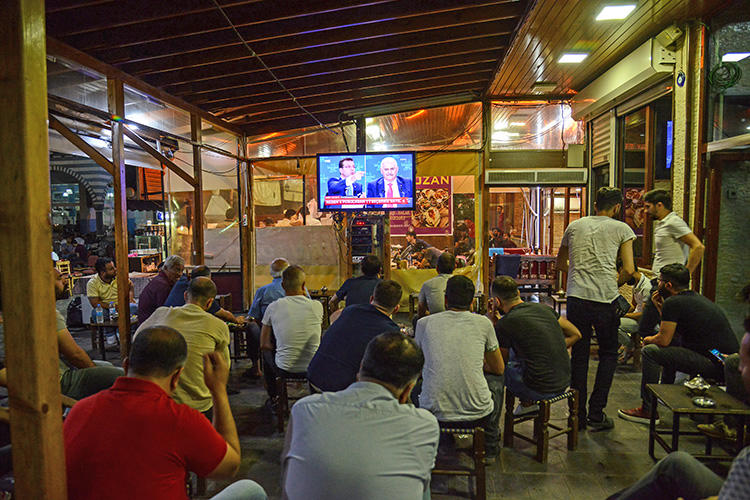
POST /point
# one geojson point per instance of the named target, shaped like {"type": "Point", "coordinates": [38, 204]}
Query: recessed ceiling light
{"type": "Point", "coordinates": [517, 124]}
{"type": "Point", "coordinates": [572, 58]}
{"type": "Point", "coordinates": [612, 12]}
{"type": "Point", "coordinates": [542, 87]}
{"type": "Point", "coordinates": [734, 56]}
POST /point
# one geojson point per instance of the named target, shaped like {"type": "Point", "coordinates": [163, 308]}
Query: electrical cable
{"type": "Point", "coordinates": [273, 75]}
{"type": "Point", "coordinates": [724, 76]}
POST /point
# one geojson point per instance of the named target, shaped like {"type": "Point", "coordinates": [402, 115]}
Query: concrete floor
{"type": "Point", "coordinates": [604, 462]}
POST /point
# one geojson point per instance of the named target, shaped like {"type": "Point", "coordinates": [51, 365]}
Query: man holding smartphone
{"type": "Point", "coordinates": [699, 324]}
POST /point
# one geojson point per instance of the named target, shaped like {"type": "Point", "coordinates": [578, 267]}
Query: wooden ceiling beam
{"type": "Point", "coordinates": [270, 91]}
{"type": "Point", "coordinates": [359, 34]}
{"type": "Point", "coordinates": [295, 76]}
{"type": "Point", "coordinates": [84, 146]}
{"type": "Point", "coordinates": [345, 95]}
{"type": "Point", "coordinates": [280, 63]}
{"type": "Point", "coordinates": [145, 146]}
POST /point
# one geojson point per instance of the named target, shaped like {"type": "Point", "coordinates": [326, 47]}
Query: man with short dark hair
{"type": "Point", "coordinates": [462, 377]}
{"type": "Point", "coordinates": [337, 360]}
{"type": "Point", "coordinates": [588, 254]}
{"type": "Point", "coordinates": [134, 441]}
{"type": "Point", "coordinates": [156, 292]}
{"type": "Point", "coordinates": [432, 293]}
{"type": "Point", "coordinates": [534, 341]}
{"type": "Point", "coordinates": [288, 220]}
{"type": "Point", "coordinates": [295, 322]}
{"type": "Point", "coordinates": [102, 288]}
{"type": "Point", "coordinates": [414, 245]}
{"type": "Point", "coordinates": [700, 325]}
{"type": "Point", "coordinates": [359, 290]}
{"type": "Point", "coordinates": [499, 240]}
{"type": "Point", "coordinates": [366, 441]}
{"type": "Point", "coordinates": [346, 184]}
{"type": "Point", "coordinates": [203, 332]}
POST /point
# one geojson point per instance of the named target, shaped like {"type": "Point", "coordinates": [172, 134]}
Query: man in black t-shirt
{"type": "Point", "coordinates": [698, 324]}
{"type": "Point", "coordinates": [358, 290]}
{"type": "Point", "coordinates": [534, 342]}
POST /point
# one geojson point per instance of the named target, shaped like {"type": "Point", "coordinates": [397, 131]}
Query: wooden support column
{"type": "Point", "coordinates": [247, 226]}
{"type": "Point", "coordinates": [198, 239]}
{"type": "Point", "coordinates": [481, 240]}
{"type": "Point", "coordinates": [116, 103]}
{"type": "Point", "coordinates": [27, 287]}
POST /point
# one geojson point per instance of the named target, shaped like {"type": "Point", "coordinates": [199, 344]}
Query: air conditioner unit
{"type": "Point", "coordinates": [642, 68]}
{"type": "Point", "coordinates": [540, 177]}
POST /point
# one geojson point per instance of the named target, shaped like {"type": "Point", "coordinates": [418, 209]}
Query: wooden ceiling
{"type": "Point", "coordinates": [554, 27]}
{"type": "Point", "coordinates": [331, 55]}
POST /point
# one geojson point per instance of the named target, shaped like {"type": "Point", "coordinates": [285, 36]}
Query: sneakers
{"type": "Point", "coordinates": [638, 415]}
{"type": "Point", "coordinates": [604, 424]}
{"type": "Point", "coordinates": [718, 430]}
{"type": "Point", "coordinates": [521, 410]}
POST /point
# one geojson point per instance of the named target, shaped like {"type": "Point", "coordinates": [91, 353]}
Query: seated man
{"type": "Point", "coordinates": [295, 323]}
{"type": "Point", "coordinates": [679, 475]}
{"type": "Point", "coordinates": [134, 441]}
{"type": "Point", "coordinates": [432, 293]}
{"type": "Point", "coordinates": [263, 297]}
{"type": "Point", "coordinates": [462, 375]}
{"type": "Point", "coordinates": [156, 292]}
{"type": "Point", "coordinates": [534, 341]}
{"type": "Point", "coordinates": [79, 376]}
{"type": "Point", "coordinates": [366, 441]}
{"type": "Point", "coordinates": [102, 288]}
{"type": "Point", "coordinates": [700, 326]}
{"type": "Point", "coordinates": [358, 290]}
{"type": "Point", "coordinates": [203, 333]}
{"type": "Point", "coordinates": [627, 332]}
{"type": "Point", "coordinates": [500, 240]}
{"type": "Point", "coordinates": [176, 296]}
{"type": "Point", "coordinates": [337, 361]}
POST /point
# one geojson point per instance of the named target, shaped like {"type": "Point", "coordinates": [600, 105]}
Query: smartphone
{"type": "Point", "coordinates": [719, 356]}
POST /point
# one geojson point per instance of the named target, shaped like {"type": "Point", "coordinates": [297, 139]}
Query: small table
{"type": "Point", "coordinates": [559, 300]}
{"type": "Point", "coordinates": [97, 334]}
{"type": "Point", "coordinates": [680, 402]}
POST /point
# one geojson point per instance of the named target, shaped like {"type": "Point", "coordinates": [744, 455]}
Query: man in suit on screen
{"type": "Point", "coordinates": [390, 184]}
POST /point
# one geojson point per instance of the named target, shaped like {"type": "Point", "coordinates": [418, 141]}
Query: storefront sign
{"type": "Point", "coordinates": [433, 208]}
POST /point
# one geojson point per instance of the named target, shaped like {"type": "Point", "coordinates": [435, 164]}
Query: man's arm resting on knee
{"type": "Point", "coordinates": [572, 334]}
{"type": "Point", "coordinates": [71, 351]}
{"type": "Point", "coordinates": [215, 375]}
{"type": "Point", "coordinates": [493, 362]}
{"type": "Point", "coordinates": [664, 337]}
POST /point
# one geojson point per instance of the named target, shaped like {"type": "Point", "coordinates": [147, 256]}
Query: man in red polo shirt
{"type": "Point", "coordinates": [156, 292]}
{"type": "Point", "coordinates": [134, 441]}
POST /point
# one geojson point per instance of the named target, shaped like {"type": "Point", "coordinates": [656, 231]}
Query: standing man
{"type": "Point", "coordinates": [366, 441]}
{"type": "Point", "coordinates": [203, 333]}
{"type": "Point", "coordinates": [674, 243]}
{"type": "Point", "coordinates": [134, 441]}
{"type": "Point", "coordinates": [588, 253]}
{"type": "Point", "coordinates": [157, 290]}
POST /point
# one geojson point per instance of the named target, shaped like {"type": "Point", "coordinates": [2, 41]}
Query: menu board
{"type": "Point", "coordinates": [433, 209]}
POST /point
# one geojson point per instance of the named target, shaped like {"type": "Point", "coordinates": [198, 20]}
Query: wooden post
{"type": "Point", "coordinates": [28, 299]}
{"type": "Point", "coordinates": [482, 235]}
{"type": "Point", "coordinates": [116, 103]}
{"type": "Point", "coordinates": [198, 239]}
{"type": "Point", "coordinates": [247, 227]}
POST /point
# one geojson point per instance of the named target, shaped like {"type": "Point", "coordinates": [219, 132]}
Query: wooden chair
{"type": "Point", "coordinates": [542, 424]}
{"type": "Point", "coordinates": [64, 267]}
{"type": "Point", "coordinates": [476, 453]}
{"type": "Point", "coordinates": [283, 381]}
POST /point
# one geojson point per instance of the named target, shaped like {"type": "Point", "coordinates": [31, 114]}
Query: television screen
{"type": "Point", "coordinates": [366, 181]}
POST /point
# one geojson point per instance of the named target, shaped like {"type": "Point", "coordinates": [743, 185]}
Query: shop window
{"type": "Point", "coordinates": [75, 83]}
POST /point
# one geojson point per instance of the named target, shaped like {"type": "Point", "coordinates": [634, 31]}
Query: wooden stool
{"type": "Point", "coordinates": [477, 455]}
{"type": "Point", "coordinates": [282, 385]}
{"type": "Point", "coordinates": [541, 423]}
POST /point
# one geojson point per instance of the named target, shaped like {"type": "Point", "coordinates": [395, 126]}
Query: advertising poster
{"type": "Point", "coordinates": [433, 209]}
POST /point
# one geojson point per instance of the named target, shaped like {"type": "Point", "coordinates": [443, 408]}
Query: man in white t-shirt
{"type": "Point", "coordinates": [588, 253]}
{"type": "Point", "coordinates": [295, 323]}
{"type": "Point", "coordinates": [462, 376]}
{"type": "Point", "coordinates": [674, 243]}
{"type": "Point", "coordinates": [432, 293]}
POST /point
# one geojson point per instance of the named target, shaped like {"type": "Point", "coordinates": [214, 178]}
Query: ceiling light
{"type": "Point", "coordinates": [517, 124]}
{"type": "Point", "coordinates": [572, 58]}
{"type": "Point", "coordinates": [373, 131]}
{"type": "Point", "coordinates": [612, 12]}
{"type": "Point", "coordinates": [542, 87]}
{"type": "Point", "coordinates": [734, 56]}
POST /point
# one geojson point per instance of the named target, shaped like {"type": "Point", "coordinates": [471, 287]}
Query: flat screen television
{"type": "Point", "coordinates": [366, 181]}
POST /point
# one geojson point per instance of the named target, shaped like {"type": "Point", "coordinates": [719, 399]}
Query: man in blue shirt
{"type": "Point", "coordinates": [358, 290]}
{"type": "Point", "coordinates": [339, 355]}
{"type": "Point", "coordinates": [263, 297]}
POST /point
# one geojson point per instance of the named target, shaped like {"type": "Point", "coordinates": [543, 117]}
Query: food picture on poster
{"type": "Point", "coordinates": [634, 209]}
{"type": "Point", "coordinates": [432, 212]}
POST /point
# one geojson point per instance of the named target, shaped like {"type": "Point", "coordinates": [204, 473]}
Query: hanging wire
{"type": "Point", "coordinates": [273, 75]}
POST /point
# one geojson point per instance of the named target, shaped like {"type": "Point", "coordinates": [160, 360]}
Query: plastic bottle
{"type": "Point", "coordinates": [112, 311]}
{"type": "Point", "coordinates": [99, 314]}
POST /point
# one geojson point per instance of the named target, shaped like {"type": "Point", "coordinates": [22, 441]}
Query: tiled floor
{"type": "Point", "coordinates": [604, 462]}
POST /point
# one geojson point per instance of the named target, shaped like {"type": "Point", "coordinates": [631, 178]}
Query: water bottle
{"type": "Point", "coordinates": [99, 314]}
{"type": "Point", "coordinates": [112, 311]}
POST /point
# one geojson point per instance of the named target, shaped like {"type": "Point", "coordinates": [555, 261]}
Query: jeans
{"type": "Point", "coordinates": [671, 360]}
{"type": "Point", "coordinates": [271, 371]}
{"type": "Point", "coordinates": [496, 384]}
{"type": "Point", "coordinates": [588, 315]}
{"type": "Point", "coordinates": [81, 383]}
{"type": "Point", "coordinates": [514, 370]}
{"type": "Point", "coordinates": [253, 342]}
{"type": "Point", "coordinates": [678, 475]}
{"type": "Point", "coordinates": [244, 489]}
